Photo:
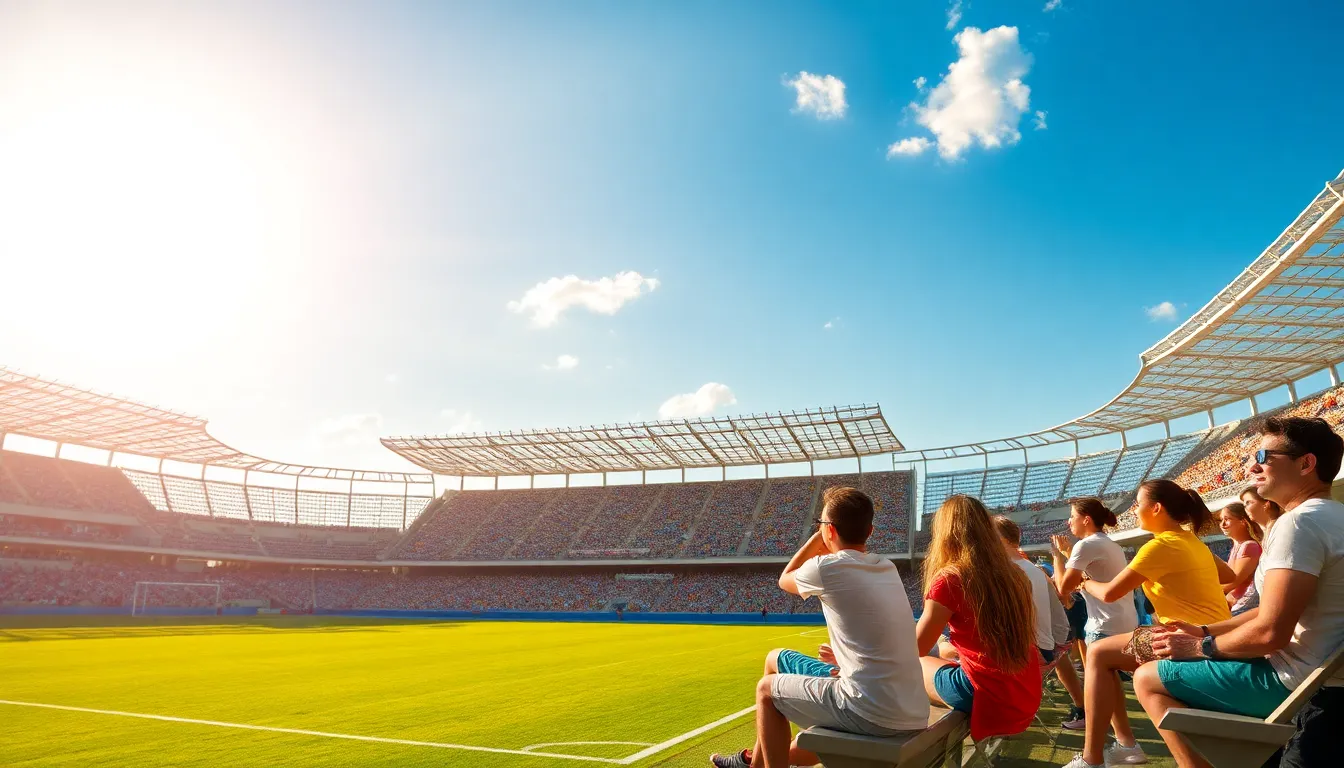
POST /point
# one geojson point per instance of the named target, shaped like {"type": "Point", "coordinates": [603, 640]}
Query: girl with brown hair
{"type": "Point", "coordinates": [972, 587]}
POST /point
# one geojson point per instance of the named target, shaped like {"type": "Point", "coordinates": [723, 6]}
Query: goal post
{"type": "Point", "coordinates": [144, 590]}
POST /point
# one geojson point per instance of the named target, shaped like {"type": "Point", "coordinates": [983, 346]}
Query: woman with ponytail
{"type": "Point", "coordinates": [972, 587]}
{"type": "Point", "coordinates": [1182, 578]}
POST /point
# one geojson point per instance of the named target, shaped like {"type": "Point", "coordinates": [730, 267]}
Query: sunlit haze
{"type": "Point", "coordinates": [317, 224]}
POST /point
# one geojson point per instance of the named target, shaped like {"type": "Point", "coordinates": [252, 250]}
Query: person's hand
{"type": "Point", "coordinates": [1178, 645]}
{"type": "Point", "coordinates": [826, 654]}
{"type": "Point", "coordinates": [1181, 626]}
{"type": "Point", "coordinates": [1061, 544]}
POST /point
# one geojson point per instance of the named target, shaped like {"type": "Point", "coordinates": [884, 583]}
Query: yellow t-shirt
{"type": "Point", "coordinates": [1181, 578]}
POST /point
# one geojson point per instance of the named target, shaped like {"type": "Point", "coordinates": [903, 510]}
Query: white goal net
{"type": "Point", "coordinates": [175, 594]}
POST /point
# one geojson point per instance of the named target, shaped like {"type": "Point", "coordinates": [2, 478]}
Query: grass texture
{"type": "Point", "coordinates": [500, 685]}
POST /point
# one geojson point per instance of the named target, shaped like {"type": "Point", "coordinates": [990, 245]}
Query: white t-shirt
{"type": "Point", "coordinates": [1102, 560]}
{"type": "Point", "coordinates": [1309, 539]}
{"type": "Point", "coordinates": [872, 632]}
{"type": "Point", "coordinates": [1050, 616]}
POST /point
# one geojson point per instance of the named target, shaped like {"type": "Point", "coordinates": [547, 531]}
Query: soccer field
{"type": "Point", "coordinates": [472, 693]}
{"type": "Point", "coordinates": [350, 692]}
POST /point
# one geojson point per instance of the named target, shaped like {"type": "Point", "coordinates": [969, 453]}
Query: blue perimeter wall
{"type": "Point", "coordinates": [802, 619]}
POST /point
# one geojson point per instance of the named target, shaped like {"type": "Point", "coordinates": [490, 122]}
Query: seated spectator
{"type": "Point", "coordinates": [1052, 623]}
{"type": "Point", "coordinates": [1246, 536]}
{"type": "Point", "coordinates": [1249, 664]}
{"type": "Point", "coordinates": [972, 587]}
{"type": "Point", "coordinates": [1183, 580]}
{"type": "Point", "coordinates": [876, 691]}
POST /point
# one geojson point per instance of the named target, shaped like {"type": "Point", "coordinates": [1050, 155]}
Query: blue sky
{"type": "Point", "coordinates": [306, 221]}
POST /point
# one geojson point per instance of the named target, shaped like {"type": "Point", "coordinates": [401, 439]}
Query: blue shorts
{"type": "Point", "coordinates": [1092, 637]}
{"type": "Point", "coordinates": [1249, 687]}
{"type": "Point", "coordinates": [954, 687]}
{"type": "Point", "coordinates": [795, 663]}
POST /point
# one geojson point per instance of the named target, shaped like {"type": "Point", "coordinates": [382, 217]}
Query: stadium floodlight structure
{"type": "Point", "coordinates": [268, 490]}
{"type": "Point", "coordinates": [140, 594]}
{"type": "Point", "coordinates": [849, 432]}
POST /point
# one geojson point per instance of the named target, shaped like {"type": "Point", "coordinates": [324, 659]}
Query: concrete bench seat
{"type": "Point", "coordinates": [938, 744]}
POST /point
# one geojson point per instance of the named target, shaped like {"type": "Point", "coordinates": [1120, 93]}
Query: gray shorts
{"type": "Point", "coordinates": [808, 701]}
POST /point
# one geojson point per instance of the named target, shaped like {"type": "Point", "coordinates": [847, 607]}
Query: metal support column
{"type": "Point", "coordinates": [1292, 392]}
{"type": "Point", "coordinates": [1209, 413]}
{"type": "Point", "coordinates": [1334, 376]}
{"type": "Point", "coordinates": [1255, 409]}
{"type": "Point", "coordinates": [350, 501]}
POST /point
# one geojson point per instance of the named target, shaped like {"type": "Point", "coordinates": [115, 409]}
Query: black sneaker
{"type": "Point", "coordinates": [735, 760]}
{"type": "Point", "coordinates": [1076, 720]}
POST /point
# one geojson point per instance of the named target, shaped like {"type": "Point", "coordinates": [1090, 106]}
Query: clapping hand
{"type": "Point", "coordinates": [1061, 544]}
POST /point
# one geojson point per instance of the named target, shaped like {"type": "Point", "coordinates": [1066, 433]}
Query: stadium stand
{"type": "Point", "coordinates": [785, 517]}
{"type": "Point", "coordinates": [719, 529]}
{"type": "Point", "coordinates": [667, 527]}
{"type": "Point", "coordinates": [625, 508]}
{"type": "Point", "coordinates": [549, 534]}
{"type": "Point", "coordinates": [893, 495]}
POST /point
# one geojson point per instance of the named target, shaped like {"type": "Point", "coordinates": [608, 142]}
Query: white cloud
{"type": "Point", "coordinates": [548, 300]}
{"type": "Point", "coordinates": [562, 363]}
{"type": "Point", "coordinates": [701, 402]}
{"type": "Point", "coordinates": [1164, 312]}
{"type": "Point", "coordinates": [460, 421]}
{"type": "Point", "coordinates": [819, 95]}
{"type": "Point", "coordinates": [1040, 119]}
{"type": "Point", "coordinates": [920, 82]}
{"type": "Point", "coordinates": [915, 145]}
{"type": "Point", "coordinates": [834, 321]}
{"type": "Point", "coordinates": [351, 429]}
{"type": "Point", "coordinates": [982, 98]}
{"type": "Point", "coordinates": [954, 15]}
{"type": "Point", "coordinates": [1052, 5]}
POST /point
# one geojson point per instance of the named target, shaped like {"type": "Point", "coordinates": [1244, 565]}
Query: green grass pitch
{"type": "Point", "coordinates": [518, 688]}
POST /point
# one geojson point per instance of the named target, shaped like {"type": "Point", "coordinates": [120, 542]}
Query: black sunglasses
{"type": "Point", "coordinates": [817, 522]}
{"type": "Point", "coordinates": [1262, 456]}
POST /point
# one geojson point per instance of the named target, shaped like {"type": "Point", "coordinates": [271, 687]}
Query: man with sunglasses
{"type": "Point", "coordinates": [1249, 664]}
{"type": "Point", "coordinates": [878, 687]}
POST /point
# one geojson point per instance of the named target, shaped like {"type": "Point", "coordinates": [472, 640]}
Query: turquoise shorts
{"type": "Point", "coordinates": [1239, 687]}
{"type": "Point", "coordinates": [795, 663]}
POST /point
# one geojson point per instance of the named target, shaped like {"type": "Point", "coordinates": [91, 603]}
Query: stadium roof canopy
{"type": "Point", "coordinates": [1280, 320]}
{"type": "Point", "coordinates": [53, 411]}
{"type": "Point", "coordinates": [813, 435]}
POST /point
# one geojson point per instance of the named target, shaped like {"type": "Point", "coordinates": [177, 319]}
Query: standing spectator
{"type": "Point", "coordinates": [1098, 558]}
{"type": "Point", "coordinates": [1249, 664]}
{"type": "Point", "coordinates": [1182, 578]}
{"type": "Point", "coordinates": [972, 587]}
{"type": "Point", "coordinates": [876, 690]}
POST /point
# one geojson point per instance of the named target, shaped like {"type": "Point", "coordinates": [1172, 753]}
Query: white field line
{"type": "Point", "coordinates": [531, 747]}
{"type": "Point", "coordinates": [675, 740]}
{"type": "Point", "coordinates": [300, 732]}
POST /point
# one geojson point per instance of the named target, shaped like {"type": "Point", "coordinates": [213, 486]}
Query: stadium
{"type": "Point", "coordinates": [134, 524]}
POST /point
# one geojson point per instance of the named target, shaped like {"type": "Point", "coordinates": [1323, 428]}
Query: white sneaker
{"type": "Point", "coordinates": [1120, 755]}
{"type": "Point", "coordinates": [1079, 762]}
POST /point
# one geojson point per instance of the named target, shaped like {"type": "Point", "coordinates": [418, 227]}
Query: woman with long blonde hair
{"type": "Point", "coordinates": [971, 587]}
{"type": "Point", "coordinates": [1246, 536]}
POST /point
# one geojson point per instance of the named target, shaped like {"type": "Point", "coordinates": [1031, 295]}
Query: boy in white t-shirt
{"type": "Point", "coordinates": [878, 689]}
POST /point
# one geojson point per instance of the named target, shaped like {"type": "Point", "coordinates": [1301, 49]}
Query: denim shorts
{"type": "Point", "coordinates": [795, 663]}
{"type": "Point", "coordinates": [954, 687]}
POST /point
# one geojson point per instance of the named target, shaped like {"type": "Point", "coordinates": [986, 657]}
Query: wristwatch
{"type": "Point", "coordinates": [1208, 647]}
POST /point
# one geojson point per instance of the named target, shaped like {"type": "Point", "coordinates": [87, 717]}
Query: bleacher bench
{"type": "Point", "coordinates": [1236, 741]}
{"type": "Point", "coordinates": [938, 744]}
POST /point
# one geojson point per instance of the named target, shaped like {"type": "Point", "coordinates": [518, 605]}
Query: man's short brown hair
{"type": "Point", "coordinates": [1008, 530]}
{"type": "Point", "coordinates": [851, 511]}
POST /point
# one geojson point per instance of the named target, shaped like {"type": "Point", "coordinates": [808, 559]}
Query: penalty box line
{"type": "Point", "coordinates": [322, 734]}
